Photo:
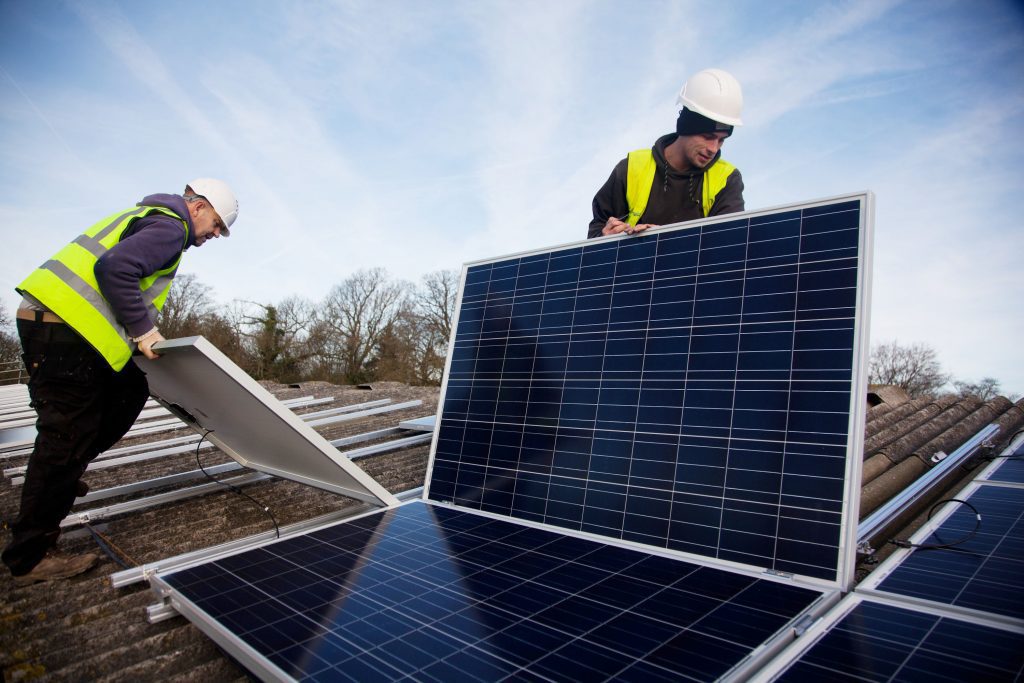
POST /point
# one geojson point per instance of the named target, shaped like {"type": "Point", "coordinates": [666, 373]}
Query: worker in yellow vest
{"type": "Point", "coordinates": [683, 176]}
{"type": "Point", "coordinates": [83, 313]}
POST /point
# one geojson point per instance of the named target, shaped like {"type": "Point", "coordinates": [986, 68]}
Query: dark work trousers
{"type": "Point", "coordinates": [83, 408]}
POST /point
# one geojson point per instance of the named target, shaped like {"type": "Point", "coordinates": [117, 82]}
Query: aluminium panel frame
{"type": "Point", "coordinates": [95, 514]}
{"type": "Point", "coordinates": [232, 466]}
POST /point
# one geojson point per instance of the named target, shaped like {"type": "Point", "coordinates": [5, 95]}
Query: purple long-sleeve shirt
{"type": "Point", "coordinates": [151, 243]}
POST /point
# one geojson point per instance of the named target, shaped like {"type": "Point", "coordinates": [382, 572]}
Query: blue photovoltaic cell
{"type": "Point", "coordinates": [1012, 468]}
{"type": "Point", "coordinates": [439, 594]}
{"type": "Point", "coordinates": [1011, 471]}
{"type": "Point", "coordinates": [687, 389]}
{"type": "Point", "coordinates": [985, 573]}
{"type": "Point", "coordinates": [877, 642]}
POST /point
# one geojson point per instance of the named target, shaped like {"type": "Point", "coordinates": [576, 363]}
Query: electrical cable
{"type": "Point", "coordinates": [1009, 456]}
{"type": "Point", "coordinates": [941, 546]}
{"type": "Point", "coordinates": [110, 548]}
{"type": "Point", "coordinates": [266, 509]}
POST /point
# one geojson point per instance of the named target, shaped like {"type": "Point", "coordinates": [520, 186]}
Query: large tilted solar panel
{"type": "Point", "coordinates": [434, 593]}
{"type": "Point", "coordinates": [985, 573]}
{"type": "Point", "coordinates": [695, 389]}
{"type": "Point", "coordinates": [875, 641]}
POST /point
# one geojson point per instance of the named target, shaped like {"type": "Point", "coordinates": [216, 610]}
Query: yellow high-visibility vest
{"type": "Point", "coordinates": [640, 177]}
{"type": "Point", "coordinates": [66, 284]}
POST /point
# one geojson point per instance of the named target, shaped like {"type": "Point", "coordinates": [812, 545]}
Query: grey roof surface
{"type": "Point", "coordinates": [84, 629]}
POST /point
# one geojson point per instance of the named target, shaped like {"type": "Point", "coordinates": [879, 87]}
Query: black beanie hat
{"type": "Point", "coordinates": [692, 123]}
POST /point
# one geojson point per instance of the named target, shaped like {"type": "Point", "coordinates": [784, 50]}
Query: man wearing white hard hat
{"type": "Point", "coordinates": [683, 176]}
{"type": "Point", "coordinates": [83, 313]}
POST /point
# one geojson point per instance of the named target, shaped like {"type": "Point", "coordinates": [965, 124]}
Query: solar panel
{"type": "Point", "coordinates": [1009, 468]}
{"type": "Point", "coordinates": [440, 594]}
{"type": "Point", "coordinates": [215, 397]}
{"type": "Point", "coordinates": [983, 574]}
{"type": "Point", "coordinates": [865, 640]}
{"type": "Point", "coordinates": [697, 389]}
{"type": "Point", "coordinates": [1011, 471]}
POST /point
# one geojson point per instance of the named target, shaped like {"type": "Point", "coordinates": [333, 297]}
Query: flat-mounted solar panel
{"type": "Point", "coordinates": [433, 593]}
{"type": "Point", "coordinates": [695, 388]}
{"type": "Point", "coordinates": [1007, 468]}
{"type": "Point", "coordinates": [984, 574]}
{"type": "Point", "coordinates": [215, 397]}
{"type": "Point", "coordinates": [868, 640]}
{"type": "Point", "coordinates": [1011, 472]}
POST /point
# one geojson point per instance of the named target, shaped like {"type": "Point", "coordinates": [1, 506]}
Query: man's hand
{"type": "Point", "coordinates": [614, 226]}
{"type": "Point", "coordinates": [146, 344]}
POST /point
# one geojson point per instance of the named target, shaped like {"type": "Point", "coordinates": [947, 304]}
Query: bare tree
{"type": "Point", "coordinates": [435, 310]}
{"type": "Point", "coordinates": [223, 330]}
{"type": "Point", "coordinates": [915, 368]}
{"type": "Point", "coordinates": [277, 338]}
{"type": "Point", "coordinates": [435, 301]}
{"type": "Point", "coordinates": [10, 348]}
{"type": "Point", "coordinates": [187, 304]}
{"type": "Point", "coordinates": [191, 310]}
{"type": "Point", "coordinates": [397, 355]}
{"type": "Point", "coordinates": [356, 316]}
{"type": "Point", "coordinates": [986, 388]}
{"type": "Point", "coordinates": [413, 348]}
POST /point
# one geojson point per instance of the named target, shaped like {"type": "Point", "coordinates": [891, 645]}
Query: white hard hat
{"type": "Point", "coordinates": [221, 198]}
{"type": "Point", "coordinates": [715, 94]}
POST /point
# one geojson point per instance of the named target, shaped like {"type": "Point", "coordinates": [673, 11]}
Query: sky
{"type": "Point", "coordinates": [417, 136]}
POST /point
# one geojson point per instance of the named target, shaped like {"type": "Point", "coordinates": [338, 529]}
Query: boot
{"type": "Point", "coordinates": [57, 566]}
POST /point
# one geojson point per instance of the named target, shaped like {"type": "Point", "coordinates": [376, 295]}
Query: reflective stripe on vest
{"type": "Point", "coordinates": [640, 169]}
{"type": "Point", "coordinates": [66, 284]}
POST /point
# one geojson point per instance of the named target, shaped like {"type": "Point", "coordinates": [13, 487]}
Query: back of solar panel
{"type": "Point", "coordinates": [697, 388]}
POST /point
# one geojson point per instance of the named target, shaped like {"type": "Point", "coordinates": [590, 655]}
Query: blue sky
{"type": "Point", "coordinates": [417, 136]}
